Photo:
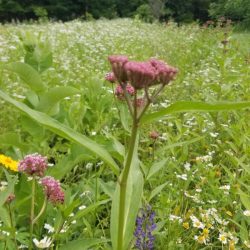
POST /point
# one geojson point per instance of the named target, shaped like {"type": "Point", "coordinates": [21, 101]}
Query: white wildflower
{"type": "Point", "coordinates": [44, 243]}
{"type": "Point", "coordinates": [49, 228]}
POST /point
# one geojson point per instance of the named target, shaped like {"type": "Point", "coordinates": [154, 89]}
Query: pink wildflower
{"type": "Point", "coordinates": [164, 72]}
{"type": "Point", "coordinates": [110, 77]}
{"type": "Point", "coordinates": [52, 190]}
{"type": "Point", "coordinates": [153, 135]}
{"type": "Point", "coordinates": [117, 63]}
{"type": "Point", "coordinates": [120, 93]}
{"type": "Point", "coordinates": [33, 164]}
{"type": "Point", "coordinates": [140, 74]}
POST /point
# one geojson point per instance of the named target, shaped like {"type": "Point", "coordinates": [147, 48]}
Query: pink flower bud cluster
{"type": "Point", "coordinates": [119, 92]}
{"type": "Point", "coordinates": [52, 190]}
{"type": "Point", "coordinates": [110, 76]}
{"type": "Point", "coordinates": [33, 164]}
{"type": "Point", "coordinates": [141, 74]}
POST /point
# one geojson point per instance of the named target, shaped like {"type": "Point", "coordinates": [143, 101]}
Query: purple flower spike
{"type": "Point", "coordinates": [145, 225]}
{"type": "Point", "coordinates": [33, 164]}
{"type": "Point", "coordinates": [52, 190]}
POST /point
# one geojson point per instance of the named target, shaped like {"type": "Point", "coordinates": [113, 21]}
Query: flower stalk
{"type": "Point", "coordinates": [32, 211]}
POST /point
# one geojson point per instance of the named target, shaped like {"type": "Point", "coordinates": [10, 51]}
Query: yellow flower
{"type": "Point", "coordinates": [229, 213]}
{"type": "Point", "coordinates": [185, 225]}
{"type": "Point", "coordinates": [9, 163]}
{"type": "Point", "coordinates": [205, 232]}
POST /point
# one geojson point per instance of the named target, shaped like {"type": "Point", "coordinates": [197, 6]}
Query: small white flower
{"type": "Point", "coordinates": [82, 207]}
{"type": "Point", "coordinates": [246, 213]}
{"type": "Point", "coordinates": [22, 247]}
{"type": "Point", "coordinates": [44, 243]}
{"type": "Point", "coordinates": [93, 133]}
{"type": "Point", "coordinates": [223, 238]}
{"type": "Point", "coordinates": [49, 228]}
{"type": "Point", "coordinates": [187, 166]}
{"type": "Point", "coordinates": [214, 135]}
{"type": "Point", "coordinates": [73, 222]}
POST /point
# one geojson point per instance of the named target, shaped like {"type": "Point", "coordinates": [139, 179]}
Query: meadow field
{"type": "Point", "coordinates": [195, 165]}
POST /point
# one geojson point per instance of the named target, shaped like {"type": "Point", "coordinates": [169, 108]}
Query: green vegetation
{"type": "Point", "coordinates": [148, 10]}
{"type": "Point", "coordinates": [195, 171]}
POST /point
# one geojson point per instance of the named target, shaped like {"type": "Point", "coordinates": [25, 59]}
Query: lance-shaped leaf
{"type": "Point", "coordinates": [49, 99]}
{"type": "Point", "coordinates": [28, 74]}
{"type": "Point", "coordinates": [190, 106]}
{"type": "Point", "coordinates": [64, 131]}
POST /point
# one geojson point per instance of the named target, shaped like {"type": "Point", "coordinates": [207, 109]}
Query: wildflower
{"type": "Point", "coordinates": [33, 164]}
{"type": "Point", "coordinates": [246, 213]}
{"type": "Point", "coordinates": [187, 166]}
{"type": "Point", "coordinates": [164, 72]}
{"type": "Point", "coordinates": [154, 135]}
{"type": "Point", "coordinates": [82, 207]}
{"type": "Point", "coordinates": [110, 77]}
{"type": "Point", "coordinates": [185, 225]}
{"type": "Point", "coordinates": [140, 74]}
{"type": "Point", "coordinates": [119, 92]}
{"type": "Point", "coordinates": [196, 222]}
{"type": "Point", "coordinates": [44, 243]}
{"type": "Point", "coordinates": [200, 239]}
{"type": "Point", "coordinates": [8, 163]}
{"type": "Point", "coordinates": [117, 63]}
{"type": "Point", "coordinates": [49, 228]}
{"type": "Point", "coordinates": [223, 238]}
{"type": "Point", "coordinates": [144, 227]}
{"type": "Point", "coordinates": [52, 190]}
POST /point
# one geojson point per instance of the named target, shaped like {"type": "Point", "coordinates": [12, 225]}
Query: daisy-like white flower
{"type": "Point", "coordinates": [223, 238]}
{"type": "Point", "coordinates": [196, 222]}
{"type": "Point", "coordinates": [246, 213]}
{"type": "Point", "coordinates": [49, 228]}
{"type": "Point", "coordinates": [44, 243]}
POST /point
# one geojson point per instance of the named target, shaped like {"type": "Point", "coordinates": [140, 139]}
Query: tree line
{"type": "Point", "coordinates": [147, 10]}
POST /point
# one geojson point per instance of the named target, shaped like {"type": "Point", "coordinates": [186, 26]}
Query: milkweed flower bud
{"type": "Point", "coordinates": [10, 198]}
{"type": "Point", "coordinates": [117, 63]}
{"type": "Point", "coordinates": [140, 74]}
{"type": "Point", "coordinates": [33, 164]}
{"type": "Point", "coordinates": [110, 77]}
{"type": "Point", "coordinates": [52, 190]}
{"type": "Point", "coordinates": [154, 135]}
{"type": "Point", "coordinates": [119, 92]}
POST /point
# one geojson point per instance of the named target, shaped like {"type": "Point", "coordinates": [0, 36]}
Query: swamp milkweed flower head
{"type": "Point", "coordinates": [9, 163]}
{"type": "Point", "coordinates": [145, 225]}
{"type": "Point", "coordinates": [154, 135]}
{"type": "Point", "coordinates": [52, 190]}
{"type": "Point", "coordinates": [33, 164]}
{"type": "Point", "coordinates": [141, 74]}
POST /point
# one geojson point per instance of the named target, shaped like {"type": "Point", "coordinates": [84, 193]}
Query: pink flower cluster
{"type": "Point", "coordinates": [52, 190]}
{"type": "Point", "coordinates": [33, 164]}
{"type": "Point", "coordinates": [141, 74]}
{"type": "Point", "coordinates": [120, 93]}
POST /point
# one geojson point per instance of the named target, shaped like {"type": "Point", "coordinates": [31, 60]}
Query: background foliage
{"type": "Point", "coordinates": [148, 10]}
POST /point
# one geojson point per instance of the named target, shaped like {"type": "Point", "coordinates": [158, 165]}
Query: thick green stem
{"type": "Point", "coordinates": [32, 211]}
{"type": "Point", "coordinates": [124, 180]}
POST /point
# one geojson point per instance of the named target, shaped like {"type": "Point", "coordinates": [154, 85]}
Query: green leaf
{"type": "Point", "coordinates": [53, 96]}
{"type": "Point", "coordinates": [83, 244]}
{"type": "Point", "coordinates": [88, 209]}
{"type": "Point", "coordinates": [245, 199]}
{"type": "Point", "coordinates": [29, 75]}
{"type": "Point", "coordinates": [156, 168]}
{"type": "Point", "coordinates": [8, 190]}
{"type": "Point", "coordinates": [156, 191]}
{"type": "Point", "coordinates": [64, 131]}
{"type": "Point", "coordinates": [4, 216]}
{"type": "Point", "coordinates": [190, 106]}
